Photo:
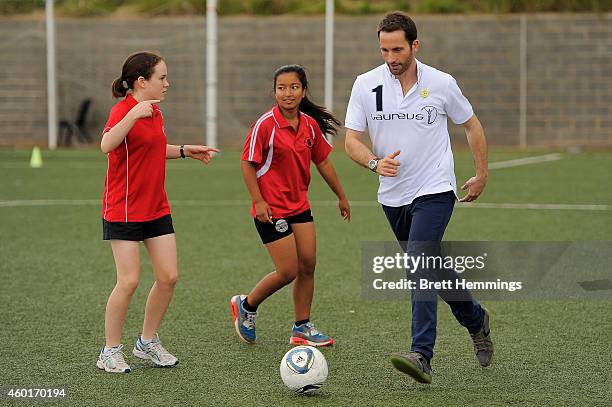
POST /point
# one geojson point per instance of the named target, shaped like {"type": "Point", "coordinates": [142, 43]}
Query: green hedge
{"type": "Point", "coordinates": [271, 7]}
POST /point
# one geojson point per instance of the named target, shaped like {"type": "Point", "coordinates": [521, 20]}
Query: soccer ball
{"type": "Point", "coordinates": [303, 369]}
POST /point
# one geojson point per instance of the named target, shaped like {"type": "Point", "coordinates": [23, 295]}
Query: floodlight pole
{"type": "Point", "coordinates": [51, 78]}
{"type": "Point", "coordinates": [523, 83]}
{"type": "Point", "coordinates": [211, 73]}
{"type": "Point", "coordinates": [329, 56]}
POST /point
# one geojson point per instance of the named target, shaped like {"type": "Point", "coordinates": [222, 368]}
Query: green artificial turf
{"type": "Point", "coordinates": [57, 274]}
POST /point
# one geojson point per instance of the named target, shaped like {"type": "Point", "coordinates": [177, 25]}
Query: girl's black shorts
{"type": "Point", "coordinates": [137, 231]}
{"type": "Point", "coordinates": [270, 232]}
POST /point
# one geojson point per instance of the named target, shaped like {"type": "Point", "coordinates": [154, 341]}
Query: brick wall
{"type": "Point", "coordinates": [569, 80]}
{"type": "Point", "coordinates": [23, 82]}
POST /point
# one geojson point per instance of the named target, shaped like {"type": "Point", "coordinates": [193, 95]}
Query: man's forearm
{"type": "Point", "coordinates": [356, 149]}
{"type": "Point", "coordinates": [478, 145]}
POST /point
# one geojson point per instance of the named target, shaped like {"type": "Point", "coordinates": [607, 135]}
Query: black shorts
{"type": "Point", "coordinates": [137, 231]}
{"type": "Point", "coordinates": [269, 232]}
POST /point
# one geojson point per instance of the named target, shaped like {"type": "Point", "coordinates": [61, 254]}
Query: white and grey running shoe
{"type": "Point", "coordinates": [155, 352]}
{"type": "Point", "coordinates": [113, 360]}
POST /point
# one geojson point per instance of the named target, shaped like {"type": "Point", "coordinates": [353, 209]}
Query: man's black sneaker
{"type": "Point", "coordinates": [414, 365]}
{"type": "Point", "coordinates": [483, 346]}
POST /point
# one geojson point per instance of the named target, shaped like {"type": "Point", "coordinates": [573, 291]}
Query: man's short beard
{"type": "Point", "coordinates": [404, 69]}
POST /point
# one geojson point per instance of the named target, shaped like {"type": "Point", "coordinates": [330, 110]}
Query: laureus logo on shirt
{"type": "Point", "coordinates": [429, 115]}
{"type": "Point", "coordinates": [432, 113]}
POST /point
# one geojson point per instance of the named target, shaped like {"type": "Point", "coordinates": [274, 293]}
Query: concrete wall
{"type": "Point", "coordinates": [569, 80]}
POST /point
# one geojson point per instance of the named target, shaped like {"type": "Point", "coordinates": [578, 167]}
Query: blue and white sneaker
{"type": "Point", "coordinates": [307, 334]}
{"type": "Point", "coordinates": [113, 360]}
{"type": "Point", "coordinates": [155, 352]}
{"type": "Point", "coordinates": [244, 321]}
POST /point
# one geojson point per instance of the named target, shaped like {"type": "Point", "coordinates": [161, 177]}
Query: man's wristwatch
{"type": "Point", "coordinates": [373, 164]}
{"type": "Point", "coordinates": [182, 151]}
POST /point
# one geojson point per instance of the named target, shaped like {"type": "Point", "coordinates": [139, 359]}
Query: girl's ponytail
{"type": "Point", "coordinates": [326, 121]}
{"type": "Point", "coordinates": [118, 89]}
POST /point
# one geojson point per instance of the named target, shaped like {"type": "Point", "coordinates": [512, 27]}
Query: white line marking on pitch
{"type": "Point", "coordinates": [526, 161]}
{"type": "Point", "coordinates": [553, 207]}
{"type": "Point", "coordinates": [91, 165]}
{"type": "Point", "coordinates": [101, 166]}
{"type": "Point", "coordinates": [364, 204]}
{"type": "Point", "coordinates": [49, 202]}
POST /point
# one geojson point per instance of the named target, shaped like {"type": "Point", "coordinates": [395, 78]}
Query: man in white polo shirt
{"type": "Point", "coordinates": [404, 104]}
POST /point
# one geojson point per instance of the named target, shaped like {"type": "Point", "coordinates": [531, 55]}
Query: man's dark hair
{"type": "Point", "coordinates": [398, 20]}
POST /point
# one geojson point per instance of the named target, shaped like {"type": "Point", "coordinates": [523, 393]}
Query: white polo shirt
{"type": "Point", "coordinates": [415, 124]}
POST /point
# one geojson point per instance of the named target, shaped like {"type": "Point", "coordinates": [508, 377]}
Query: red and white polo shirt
{"type": "Point", "coordinates": [282, 157]}
{"type": "Point", "coordinates": [134, 188]}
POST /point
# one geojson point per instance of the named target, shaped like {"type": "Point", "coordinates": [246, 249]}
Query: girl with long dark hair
{"type": "Point", "coordinates": [276, 170]}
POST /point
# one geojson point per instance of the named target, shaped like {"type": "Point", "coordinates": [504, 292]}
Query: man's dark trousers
{"type": "Point", "coordinates": [425, 220]}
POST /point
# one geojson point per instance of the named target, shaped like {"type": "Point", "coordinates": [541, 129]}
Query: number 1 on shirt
{"type": "Point", "coordinates": [378, 91]}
